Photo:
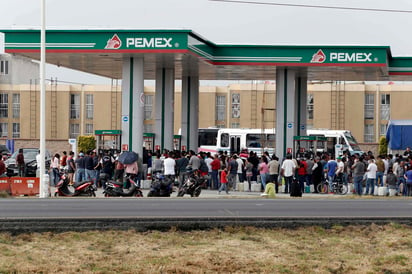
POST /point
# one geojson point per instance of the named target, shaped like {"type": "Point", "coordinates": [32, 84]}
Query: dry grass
{"type": "Point", "coordinates": [357, 249]}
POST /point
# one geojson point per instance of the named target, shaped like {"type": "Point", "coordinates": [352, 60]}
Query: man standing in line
{"type": "Point", "coordinates": [274, 172]}
{"type": "Point", "coordinates": [287, 171]}
{"type": "Point", "coordinates": [20, 163]}
{"type": "Point", "coordinates": [169, 166]}
{"type": "Point", "coordinates": [331, 169]}
{"type": "Point", "coordinates": [232, 172]}
{"type": "Point", "coordinates": [371, 174]}
{"type": "Point", "coordinates": [215, 171]}
{"type": "Point", "coordinates": [80, 168]}
{"type": "Point", "coordinates": [358, 173]}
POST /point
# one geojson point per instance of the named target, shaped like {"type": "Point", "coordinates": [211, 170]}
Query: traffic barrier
{"type": "Point", "coordinates": [24, 186]}
{"type": "Point", "coordinates": [5, 185]}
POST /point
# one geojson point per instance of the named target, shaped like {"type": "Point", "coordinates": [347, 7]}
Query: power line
{"type": "Point", "coordinates": [312, 6]}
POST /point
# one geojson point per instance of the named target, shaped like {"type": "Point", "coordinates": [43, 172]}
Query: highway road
{"type": "Point", "coordinates": [142, 214]}
{"type": "Point", "coordinates": [198, 207]}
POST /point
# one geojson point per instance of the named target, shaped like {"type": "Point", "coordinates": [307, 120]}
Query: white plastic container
{"type": "Point", "coordinates": [392, 192]}
{"type": "Point", "coordinates": [383, 191]}
{"type": "Point", "coordinates": [240, 187]}
{"type": "Point", "coordinates": [256, 187]}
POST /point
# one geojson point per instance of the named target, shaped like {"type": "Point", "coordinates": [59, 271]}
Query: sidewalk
{"type": "Point", "coordinates": [206, 193]}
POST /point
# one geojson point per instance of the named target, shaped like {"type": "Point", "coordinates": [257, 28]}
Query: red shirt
{"type": "Point", "coordinates": [215, 164]}
{"type": "Point", "coordinates": [302, 168]}
{"type": "Point", "coordinates": [223, 178]}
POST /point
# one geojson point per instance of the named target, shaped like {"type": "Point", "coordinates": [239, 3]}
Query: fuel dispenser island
{"type": "Point", "coordinates": [308, 146]}
{"type": "Point", "coordinates": [108, 141]}
{"type": "Point", "coordinates": [148, 141]}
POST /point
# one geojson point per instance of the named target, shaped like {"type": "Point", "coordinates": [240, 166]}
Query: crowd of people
{"type": "Point", "coordinates": [223, 171]}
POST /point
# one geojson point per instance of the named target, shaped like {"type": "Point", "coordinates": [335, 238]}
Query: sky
{"type": "Point", "coordinates": [224, 23]}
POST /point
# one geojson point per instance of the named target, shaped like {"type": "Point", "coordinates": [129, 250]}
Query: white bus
{"type": "Point", "coordinates": [234, 140]}
{"type": "Point", "coordinates": [343, 138]}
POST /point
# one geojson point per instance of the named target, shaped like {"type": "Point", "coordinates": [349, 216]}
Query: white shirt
{"type": "Point", "coordinates": [239, 165]}
{"type": "Point", "coordinates": [340, 167]}
{"type": "Point", "coordinates": [288, 167]}
{"type": "Point", "coordinates": [169, 166]}
{"type": "Point", "coordinates": [371, 172]}
{"type": "Point", "coordinates": [208, 162]}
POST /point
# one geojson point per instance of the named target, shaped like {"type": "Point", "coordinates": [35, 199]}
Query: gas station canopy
{"type": "Point", "coordinates": [102, 52]}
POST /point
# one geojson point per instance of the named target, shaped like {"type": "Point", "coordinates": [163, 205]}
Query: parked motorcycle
{"type": "Point", "coordinates": [192, 185]}
{"type": "Point", "coordinates": [161, 186]}
{"type": "Point", "coordinates": [115, 189]}
{"type": "Point", "coordinates": [85, 188]}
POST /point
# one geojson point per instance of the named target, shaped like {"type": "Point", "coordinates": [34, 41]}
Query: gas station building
{"type": "Point", "coordinates": [170, 55]}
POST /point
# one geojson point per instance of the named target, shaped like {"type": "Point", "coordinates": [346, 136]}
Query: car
{"type": "Point", "coordinates": [30, 162]}
{"type": "Point", "coordinates": [4, 151]}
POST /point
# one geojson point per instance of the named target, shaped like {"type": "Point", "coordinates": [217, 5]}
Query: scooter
{"type": "Point", "coordinates": [192, 185]}
{"type": "Point", "coordinates": [85, 188]}
{"type": "Point", "coordinates": [160, 186]}
{"type": "Point", "coordinates": [115, 189]}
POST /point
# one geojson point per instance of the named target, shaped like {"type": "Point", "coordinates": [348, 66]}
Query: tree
{"type": "Point", "coordinates": [86, 143]}
{"type": "Point", "coordinates": [383, 146]}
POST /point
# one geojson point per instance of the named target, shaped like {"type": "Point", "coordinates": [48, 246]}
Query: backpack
{"type": "Point", "coordinates": [203, 167]}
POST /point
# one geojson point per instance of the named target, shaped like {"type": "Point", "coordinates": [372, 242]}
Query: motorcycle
{"type": "Point", "coordinates": [115, 189]}
{"type": "Point", "coordinates": [85, 188]}
{"type": "Point", "coordinates": [161, 186]}
{"type": "Point", "coordinates": [192, 185]}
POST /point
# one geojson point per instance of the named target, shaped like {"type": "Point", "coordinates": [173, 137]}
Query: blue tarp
{"type": "Point", "coordinates": [399, 134]}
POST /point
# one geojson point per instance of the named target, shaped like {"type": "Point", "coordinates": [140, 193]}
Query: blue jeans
{"type": "Point", "coordinates": [56, 176]}
{"type": "Point", "coordinates": [89, 174]}
{"type": "Point", "coordinates": [215, 179]}
{"type": "Point", "coordinates": [370, 183]}
{"type": "Point", "coordinates": [357, 180]}
{"type": "Point", "coordinates": [288, 182]}
{"type": "Point", "coordinates": [223, 186]}
{"type": "Point", "coordinates": [302, 179]}
{"type": "Point", "coordinates": [379, 178]}
{"type": "Point", "coordinates": [263, 179]}
{"type": "Point", "coordinates": [330, 181]}
{"type": "Point", "coordinates": [402, 181]}
{"type": "Point", "coordinates": [80, 175]}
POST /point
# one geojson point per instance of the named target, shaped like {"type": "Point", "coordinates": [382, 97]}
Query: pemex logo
{"type": "Point", "coordinates": [318, 57]}
{"type": "Point", "coordinates": [113, 43]}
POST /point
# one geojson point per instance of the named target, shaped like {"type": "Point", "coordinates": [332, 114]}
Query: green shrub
{"type": "Point", "coordinates": [383, 146]}
{"type": "Point", "coordinates": [86, 143]}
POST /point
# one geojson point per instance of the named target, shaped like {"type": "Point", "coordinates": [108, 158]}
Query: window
{"type": "Point", "coordinates": [74, 106]}
{"type": "Point", "coordinates": [224, 140]}
{"type": "Point", "coordinates": [4, 67]}
{"type": "Point", "coordinates": [235, 125]}
{"type": "Point", "coordinates": [369, 106]}
{"type": "Point", "coordinates": [4, 130]}
{"type": "Point", "coordinates": [369, 136]}
{"type": "Point", "coordinates": [148, 107]}
{"type": "Point", "coordinates": [4, 105]}
{"type": "Point", "coordinates": [16, 105]}
{"type": "Point", "coordinates": [89, 106]}
{"type": "Point", "coordinates": [89, 129]}
{"type": "Point", "coordinates": [310, 106]}
{"type": "Point", "coordinates": [74, 130]}
{"type": "Point", "coordinates": [16, 130]}
{"type": "Point", "coordinates": [236, 105]}
{"type": "Point", "coordinates": [255, 140]}
{"type": "Point", "coordinates": [220, 108]}
{"type": "Point", "coordinates": [385, 106]}
{"type": "Point", "coordinates": [382, 129]}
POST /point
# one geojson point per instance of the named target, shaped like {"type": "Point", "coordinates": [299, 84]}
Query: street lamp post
{"type": "Point", "coordinates": [44, 192]}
